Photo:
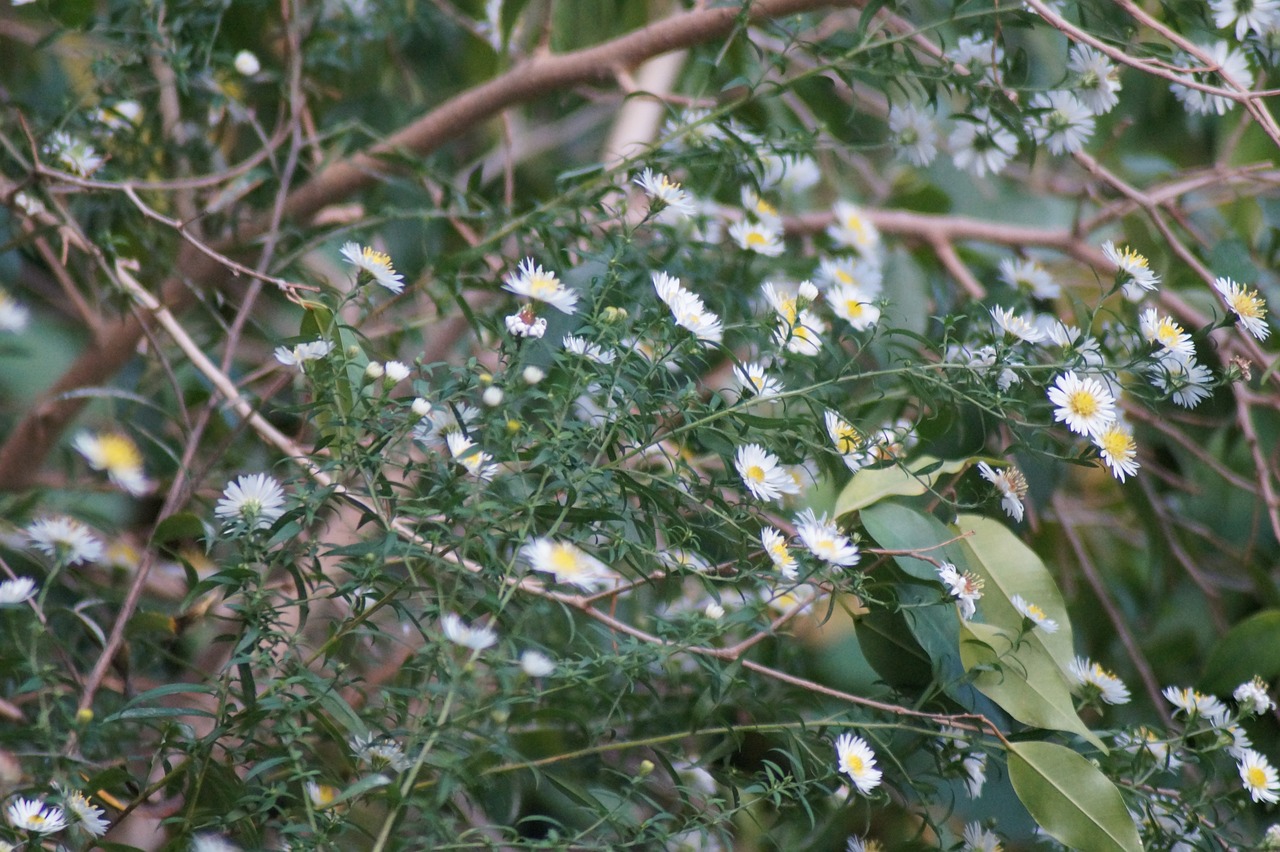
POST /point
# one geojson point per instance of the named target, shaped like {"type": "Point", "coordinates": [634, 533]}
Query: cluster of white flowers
{"type": "Point", "coordinates": [39, 818]}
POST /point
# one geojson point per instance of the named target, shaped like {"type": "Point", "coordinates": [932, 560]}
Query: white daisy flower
{"type": "Point", "coordinates": [1250, 308]}
{"type": "Point", "coordinates": [17, 590]}
{"type": "Point", "coordinates": [856, 759]}
{"type": "Point", "coordinates": [1029, 275]}
{"type": "Point", "coordinates": [1164, 331]}
{"type": "Point", "coordinates": [665, 191]}
{"type": "Point", "coordinates": [1258, 16]}
{"type": "Point", "coordinates": [475, 461]}
{"type": "Point", "coordinates": [1096, 79]}
{"type": "Point", "coordinates": [863, 274]}
{"type": "Point", "coordinates": [843, 434]}
{"type": "Point", "coordinates": [1065, 124]}
{"type": "Point", "coordinates": [212, 843]}
{"type": "Point", "coordinates": [982, 145]}
{"type": "Point", "coordinates": [567, 564]}
{"type": "Point", "coordinates": [1011, 484]}
{"type": "Point", "coordinates": [256, 500]}
{"type": "Point", "coordinates": [966, 588]}
{"type": "Point", "coordinates": [979, 839]}
{"type": "Point", "coordinates": [1252, 696]}
{"type": "Point", "coordinates": [1020, 327]}
{"type": "Point", "coordinates": [14, 316]}
{"type": "Point", "coordinates": [760, 237]}
{"type": "Point", "coordinates": [459, 632]}
{"type": "Point", "coordinates": [303, 352]}
{"type": "Point", "coordinates": [584, 348]}
{"type": "Point", "coordinates": [322, 796]}
{"type": "Point", "coordinates": [29, 204]}
{"type": "Point", "coordinates": [979, 56]}
{"type": "Point", "coordinates": [116, 454]}
{"type": "Point", "coordinates": [1259, 777]}
{"type": "Point", "coordinates": [1184, 377]}
{"type": "Point", "coordinates": [65, 541]}
{"type": "Point", "coordinates": [687, 309]}
{"type": "Point", "coordinates": [1092, 679]}
{"type": "Point", "coordinates": [1116, 445]}
{"type": "Point", "coordinates": [73, 154]}
{"type": "Point", "coordinates": [775, 544]}
{"type": "Point", "coordinates": [373, 265]}
{"type": "Point", "coordinates": [84, 813]}
{"type": "Point", "coordinates": [33, 815]}
{"type": "Point", "coordinates": [713, 611]}
{"type": "Point", "coordinates": [1084, 404]}
{"type": "Point", "coordinates": [1231, 734]}
{"type": "Point", "coordinates": [852, 228]}
{"type": "Point", "coordinates": [759, 208]}
{"type": "Point", "coordinates": [802, 337]}
{"type": "Point", "coordinates": [1132, 264]}
{"type": "Point", "coordinates": [438, 423]}
{"type": "Point", "coordinates": [1232, 63]}
{"type": "Point", "coordinates": [854, 307]}
{"type": "Point", "coordinates": [761, 472]}
{"type": "Point", "coordinates": [533, 282]}
{"type": "Point", "coordinates": [1037, 615]}
{"type": "Point", "coordinates": [824, 540]}
{"type": "Point", "coordinates": [380, 753]}
{"type": "Point", "coordinates": [537, 664]}
{"type": "Point", "coordinates": [791, 173]}
{"type": "Point", "coordinates": [1193, 703]}
{"type": "Point", "coordinates": [756, 381]}
{"type": "Point", "coordinates": [915, 134]}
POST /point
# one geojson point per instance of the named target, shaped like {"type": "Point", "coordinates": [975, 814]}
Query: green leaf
{"type": "Point", "coordinates": [927, 611]}
{"type": "Point", "coordinates": [1023, 681]}
{"type": "Point", "coordinates": [1250, 648]}
{"type": "Point", "coordinates": [1070, 798]}
{"type": "Point", "coordinates": [1008, 567]}
{"type": "Point", "coordinates": [870, 486]}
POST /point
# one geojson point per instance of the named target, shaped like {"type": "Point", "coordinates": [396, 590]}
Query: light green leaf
{"type": "Point", "coordinates": [1250, 648]}
{"type": "Point", "coordinates": [1024, 682]}
{"type": "Point", "coordinates": [1070, 798]}
{"type": "Point", "coordinates": [869, 486]}
{"type": "Point", "coordinates": [1009, 567]}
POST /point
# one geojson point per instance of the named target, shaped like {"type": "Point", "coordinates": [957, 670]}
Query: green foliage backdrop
{"type": "Point", "coordinates": [649, 424]}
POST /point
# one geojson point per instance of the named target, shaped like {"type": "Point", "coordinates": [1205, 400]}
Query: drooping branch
{"type": "Point", "coordinates": [23, 453]}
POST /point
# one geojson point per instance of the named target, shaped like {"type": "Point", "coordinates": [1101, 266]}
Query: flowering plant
{"type": "Point", "coordinates": [740, 474]}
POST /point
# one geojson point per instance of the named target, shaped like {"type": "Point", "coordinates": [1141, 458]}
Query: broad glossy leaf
{"type": "Point", "coordinates": [1071, 799]}
{"type": "Point", "coordinates": [1010, 568]}
{"type": "Point", "coordinates": [870, 486]}
{"type": "Point", "coordinates": [1024, 682]}
{"type": "Point", "coordinates": [1250, 648]}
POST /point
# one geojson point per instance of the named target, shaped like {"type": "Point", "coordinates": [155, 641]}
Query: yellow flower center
{"type": "Point", "coordinates": [324, 795]}
{"type": "Point", "coordinates": [376, 258]}
{"type": "Point", "coordinates": [117, 453]}
{"type": "Point", "coordinates": [843, 277]}
{"type": "Point", "coordinates": [854, 308]}
{"type": "Point", "coordinates": [1035, 612]}
{"type": "Point", "coordinates": [1257, 777]}
{"type": "Point", "coordinates": [859, 228]}
{"type": "Point", "coordinates": [1129, 257]}
{"type": "Point", "coordinates": [766, 208]}
{"type": "Point", "coordinates": [541, 286]}
{"type": "Point", "coordinates": [755, 473]}
{"type": "Point", "coordinates": [847, 439]}
{"type": "Point", "coordinates": [756, 238]}
{"type": "Point", "coordinates": [564, 560]}
{"type": "Point", "coordinates": [853, 764]}
{"type": "Point", "coordinates": [1247, 304]}
{"type": "Point", "coordinates": [1116, 442]}
{"type": "Point", "coordinates": [1084, 403]}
